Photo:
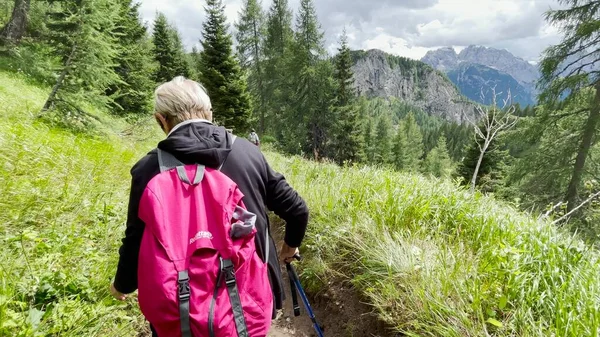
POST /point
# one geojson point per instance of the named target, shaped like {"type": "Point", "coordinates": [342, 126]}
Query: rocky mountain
{"type": "Point", "coordinates": [475, 79]}
{"type": "Point", "coordinates": [499, 62]}
{"type": "Point", "coordinates": [377, 74]}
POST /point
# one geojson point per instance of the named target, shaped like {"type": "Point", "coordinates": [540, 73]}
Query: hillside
{"type": "Point", "coordinates": [430, 258]}
{"type": "Point", "coordinates": [495, 67]}
{"type": "Point", "coordinates": [377, 74]}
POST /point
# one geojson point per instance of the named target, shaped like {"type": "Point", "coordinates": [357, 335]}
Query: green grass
{"type": "Point", "coordinates": [431, 259]}
{"type": "Point", "coordinates": [435, 261]}
{"type": "Point", "coordinates": [63, 201]}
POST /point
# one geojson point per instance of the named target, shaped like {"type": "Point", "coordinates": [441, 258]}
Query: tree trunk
{"type": "Point", "coordinates": [59, 81]}
{"type": "Point", "coordinates": [584, 148]}
{"type": "Point", "coordinates": [14, 30]}
{"type": "Point", "coordinates": [479, 161]}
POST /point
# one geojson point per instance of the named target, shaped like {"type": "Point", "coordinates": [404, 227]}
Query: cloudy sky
{"type": "Point", "coordinates": [403, 27]}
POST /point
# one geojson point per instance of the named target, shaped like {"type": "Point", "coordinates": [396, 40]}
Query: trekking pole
{"type": "Point", "coordinates": [295, 284]}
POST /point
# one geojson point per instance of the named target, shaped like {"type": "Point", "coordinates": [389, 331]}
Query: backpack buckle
{"type": "Point", "coordinates": [229, 270]}
{"type": "Point", "coordinates": [183, 285]}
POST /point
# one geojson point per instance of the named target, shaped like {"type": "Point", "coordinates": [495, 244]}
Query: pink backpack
{"type": "Point", "coordinates": [199, 273]}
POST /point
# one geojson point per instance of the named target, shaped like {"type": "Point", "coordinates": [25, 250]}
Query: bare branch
{"type": "Point", "coordinates": [576, 208]}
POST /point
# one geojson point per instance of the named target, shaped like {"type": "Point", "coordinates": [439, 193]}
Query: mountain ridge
{"type": "Point", "coordinates": [379, 74]}
{"type": "Point", "coordinates": [501, 61]}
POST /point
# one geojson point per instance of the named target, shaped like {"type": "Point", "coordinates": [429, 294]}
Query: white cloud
{"type": "Point", "coordinates": [407, 27]}
{"type": "Point", "coordinates": [394, 45]}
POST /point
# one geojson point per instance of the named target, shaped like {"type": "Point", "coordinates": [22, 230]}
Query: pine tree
{"type": "Point", "coordinates": [136, 66]}
{"type": "Point", "coordinates": [438, 162]}
{"type": "Point", "coordinates": [168, 51]}
{"type": "Point", "coordinates": [369, 140]}
{"type": "Point", "coordinates": [568, 67]}
{"type": "Point", "coordinates": [84, 36]}
{"type": "Point", "coordinates": [277, 84]}
{"type": "Point", "coordinates": [220, 72]}
{"type": "Point", "coordinates": [383, 141]}
{"type": "Point", "coordinates": [251, 31]}
{"type": "Point", "coordinates": [181, 62]}
{"type": "Point", "coordinates": [408, 145]}
{"type": "Point", "coordinates": [313, 87]}
{"type": "Point", "coordinates": [349, 141]}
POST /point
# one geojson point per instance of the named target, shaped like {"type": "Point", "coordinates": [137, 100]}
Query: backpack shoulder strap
{"type": "Point", "coordinates": [167, 161]}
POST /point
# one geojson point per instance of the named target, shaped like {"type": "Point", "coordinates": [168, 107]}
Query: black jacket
{"type": "Point", "coordinates": [263, 189]}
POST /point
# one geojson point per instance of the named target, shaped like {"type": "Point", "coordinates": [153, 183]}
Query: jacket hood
{"type": "Point", "coordinates": [198, 142]}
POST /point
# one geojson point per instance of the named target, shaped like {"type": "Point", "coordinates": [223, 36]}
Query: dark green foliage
{"type": "Point", "coordinates": [251, 32]}
{"type": "Point", "coordinates": [571, 66]}
{"type": "Point", "coordinates": [493, 165]}
{"type": "Point", "coordinates": [382, 145]}
{"type": "Point", "coordinates": [168, 51]}
{"type": "Point", "coordinates": [277, 82]}
{"type": "Point", "coordinates": [132, 94]}
{"type": "Point", "coordinates": [438, 162]}
{"type": "Point", "coordinates": [349, 141]}
{"type": "Point", "coordinates": [408, 145]}
{"type": "Point", "coordinates": [83, 33]}
{"type": "Point", "coordinates": [220, 72]}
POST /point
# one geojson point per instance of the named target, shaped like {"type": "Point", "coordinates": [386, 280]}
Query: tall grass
{"type": "Point", "coordinates": [434, 260]}
{"type": "Point", "coordinates": [63, 200]}
{"type": "Point", "coordinates": [430, 258]}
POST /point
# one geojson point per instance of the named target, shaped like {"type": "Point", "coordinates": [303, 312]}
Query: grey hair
{"type": "Point", "coordinates": [181, 99]}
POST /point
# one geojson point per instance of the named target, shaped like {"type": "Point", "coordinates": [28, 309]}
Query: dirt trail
{"type": "Point", "coordinates": [338, 310]}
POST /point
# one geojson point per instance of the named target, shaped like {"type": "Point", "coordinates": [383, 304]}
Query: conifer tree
{"type": "Point", "coordinates": [438, 162]}
{"type": "Point", "coordinates": [570, 66]}
{"type": "Point", "coordinates": [383, 141]}
{"type": "Point", "coordinates": [277, 84]}
{"type": "Point", "coordinates": [220, 72]}
{"type": "Point", "coordinates": [168, 51]}
{"type": "Point", "coordinates": [136, 66]}
{"type": "Point", "coordinates": [408, 145]}
{"type": "Point", "coordinates": [349, 140]}
{"type": "Point", "coordinates": [84, 36]}
{"type": "Point", "coordinates": [313, 87]}
{"type": "Point", "coordinates": [251, 32]}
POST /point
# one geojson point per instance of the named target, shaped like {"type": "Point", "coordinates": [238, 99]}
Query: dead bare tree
{"type": "Point", "coordinates": [488, 122]}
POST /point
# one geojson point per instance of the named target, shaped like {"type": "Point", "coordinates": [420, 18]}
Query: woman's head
{"type": "Point", "coordinates": [179, 100]}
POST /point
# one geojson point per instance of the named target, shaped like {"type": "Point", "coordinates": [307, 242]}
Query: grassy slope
{"type": "Point", "coordinates": [432, 260]}
{"type": "Point", "coordinates": [64, 202]}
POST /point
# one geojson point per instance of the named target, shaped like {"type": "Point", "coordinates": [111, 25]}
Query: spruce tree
{"type": "Point", "coordinates": [168, 51]}
{"type": "Point", "coordinates": [251, 32]}
{"type": "Point", "coordinates": [136, 66]}
{"type": "Point", "coordinates": [408, 145]}
{"type": "Point", "coordinates": [438, 162]}
{"type": "Point", "coordinates": [277, 83]}
{"type": "Point", "coordinates": [313, 87]}
{"type": "Point", "coordinates": [349, 140]}
{"type": "Point", "coordinates": [220, 72]}
{"type": "Point", "coordinates": [84, 35]}
{"type": "Point", "coordinates": [181, 61]}
{"type": "Point", "coordinates": [368, 139]}
{"type": "Point", "coordinates": [383, 141]}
